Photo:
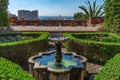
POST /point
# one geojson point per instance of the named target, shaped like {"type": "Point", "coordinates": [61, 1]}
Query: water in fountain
{"type": "Point", "coordinates": [57, 65]}
{"type": "Point", "coordinates": [58, 59]}
{"type": "Point", "coordinates": [68, 61]}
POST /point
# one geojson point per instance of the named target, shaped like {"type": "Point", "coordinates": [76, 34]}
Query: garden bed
{"type": "Point", "coordinates": [13, 37]}
{"type": "Point", "coordinates": [20, 46]}
{"type": "Point", "coordinates": [97, 47]}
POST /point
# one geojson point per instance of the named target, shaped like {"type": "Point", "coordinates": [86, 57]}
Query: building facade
{"type": "Point", "coordinates": [27, 15]}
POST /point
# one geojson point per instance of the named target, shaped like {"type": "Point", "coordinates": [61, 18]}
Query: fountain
{"type": "Point", "coordinates": [57, 65]}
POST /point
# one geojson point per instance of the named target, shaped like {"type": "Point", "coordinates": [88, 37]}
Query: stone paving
{"type": "Point", "coordinates": [55, 28]}
{"type": "Point", "coordinates": [93, 68]}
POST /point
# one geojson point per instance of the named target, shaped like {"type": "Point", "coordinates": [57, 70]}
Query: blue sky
{"type": "Point", "coordinates": [48, 7]}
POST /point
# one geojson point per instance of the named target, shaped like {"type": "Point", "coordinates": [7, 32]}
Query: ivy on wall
{"type": "Point", "coordinates": [4, 20]}
{"type": "Point", "coordinates": [112, 16]}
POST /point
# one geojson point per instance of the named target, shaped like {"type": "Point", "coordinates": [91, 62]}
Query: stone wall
{"type": "Point", "coordinates": [48, 22]}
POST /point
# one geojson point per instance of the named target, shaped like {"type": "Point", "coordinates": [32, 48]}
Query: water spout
{"type": "Point", "coordinates": [59, 27]}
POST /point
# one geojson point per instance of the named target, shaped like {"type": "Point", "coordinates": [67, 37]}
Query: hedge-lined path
{"type": "Point", "coordinates": [55, 28]}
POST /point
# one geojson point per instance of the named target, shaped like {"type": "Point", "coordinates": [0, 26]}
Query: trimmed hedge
{"type": "Point", "coordinates": [111, 71]}
{"type": "Point", "coordinates": [11, 71]}
{"type": "Point", "coordinates": [21, 50]}
{"type": "Point", "coordinates": [97, 51]}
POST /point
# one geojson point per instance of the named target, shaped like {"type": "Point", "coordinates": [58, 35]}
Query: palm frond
{"type": "Point", "coordinates": [85, 10]}
{"type": "Point", "coordinates": [90, 9]}
{"type": "Point", "coordinates": [101, 14]}
{"type": "Point", "coordinates": [94, 7]}
{"type": "Point", "coordinates": [98, 11]}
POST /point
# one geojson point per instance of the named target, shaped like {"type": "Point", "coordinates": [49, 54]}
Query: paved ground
{"type": "Point", "coordinates": [55, 28]}
{"type": "Point", "coordinates": [93, 68]}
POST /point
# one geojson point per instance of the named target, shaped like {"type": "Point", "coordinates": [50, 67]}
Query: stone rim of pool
{"type": "Point", "coordinates": [38, 65]}
{"type": "Point", "coordinates": [56, 70]}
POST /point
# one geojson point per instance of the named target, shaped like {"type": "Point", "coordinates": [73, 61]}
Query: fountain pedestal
{"type": "Point", "coordinates": [57, 65]}
{"type": "Point", "coordinates": [58, 54]}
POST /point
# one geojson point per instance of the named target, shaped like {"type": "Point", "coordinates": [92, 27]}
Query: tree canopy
{"type": "Point", "coordinates": [92, 9]}
{"type": "Point", "coordinates": [112, 16]}
{"type": "Point", "coordinates": [4, 20]}
{"type": "Point", "coordinates": [79, 16]}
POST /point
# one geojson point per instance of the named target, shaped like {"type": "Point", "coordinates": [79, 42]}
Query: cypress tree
{"type": "Point", "coordinates": [4, 20]}
{"type": "Point", "coordinates": [112, 16]}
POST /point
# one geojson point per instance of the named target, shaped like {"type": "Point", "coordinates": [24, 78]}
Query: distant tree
{"type": "Point", "coordinates": [79, 16]}
{"type": "Point", "coordinates": [92, 10]}
{"type": "Point", "coordinates": [4, 20]}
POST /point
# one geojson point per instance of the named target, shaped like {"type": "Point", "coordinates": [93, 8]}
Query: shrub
{"type": "Point", "coordinates": [112, 8]}
{"type": "Point", "coordinates": [111, 70]}
{"type": "Point", "coordinates": [11, 71]}
{"type": "Point", "coordinates": [9, 38]}
{"type": "Point", "coordinates": [23, 49]}
{"type": "Point", "coordinates": [94, 50]}
{"type": "Point", "coordinates": [4, 20]}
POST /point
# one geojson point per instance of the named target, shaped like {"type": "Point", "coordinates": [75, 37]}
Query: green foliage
{"type": "Point", "coordinates": [111, 71]}
{"type": "Point", "coordinates": [10, 38]}
{"type": "Point", "coordinates": [95, 50]}
{"type": "Point", "coordinates": [105, 37]}
{"type": "Point", "coordinates": [112, 16]}
{"type": "Point", "coordinates": [13, 37]}
{"type": "Point", "coordinates": [11, 71]}
{"type": "Point", "coordinates": [80, 16]}
{"type": "Point", "coordinates": [21, 50]}
{"type": "Point", "coordinates": [4, 20]}
{"type": "Point", "coordinates": [92, 10]}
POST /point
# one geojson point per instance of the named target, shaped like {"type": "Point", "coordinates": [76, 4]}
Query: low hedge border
{"type": "Point", "coordinates": [21, 50]}
{"type": "Point", "coordinates": [97, 51]}
{"type": "Point", "coordinates": [41, 36]}
{"type": "Point", "coordinates": [11, 71]}
{"type": "Point", "coordinates": [111, 70]}
{"type": "Point", "coordinates": [103, 34]}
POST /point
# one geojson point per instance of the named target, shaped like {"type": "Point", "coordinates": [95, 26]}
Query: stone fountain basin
{"type": "Point", "coordinates": [56, 39]}
{"type": "Point", "coordinates": [53, 73]}
{"type": "Point", "coordinates": [37, 59]}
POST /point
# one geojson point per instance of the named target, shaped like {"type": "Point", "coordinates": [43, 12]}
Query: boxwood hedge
{"type": "Point", "coordinates": [21, 50]}
{"type": "Point", "coordinates": [11, 71]}
{"type": "Point", "coordinates": [111, 70]}
{"type": "Point", "coordinates": [94, 49]}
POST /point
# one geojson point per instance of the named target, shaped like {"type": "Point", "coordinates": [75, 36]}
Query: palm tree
{"type": "Point", "coordinates": [92, 10]}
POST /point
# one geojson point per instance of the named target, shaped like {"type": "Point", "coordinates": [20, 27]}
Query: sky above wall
{"type": "Point", "coordinates": [49, 7]}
